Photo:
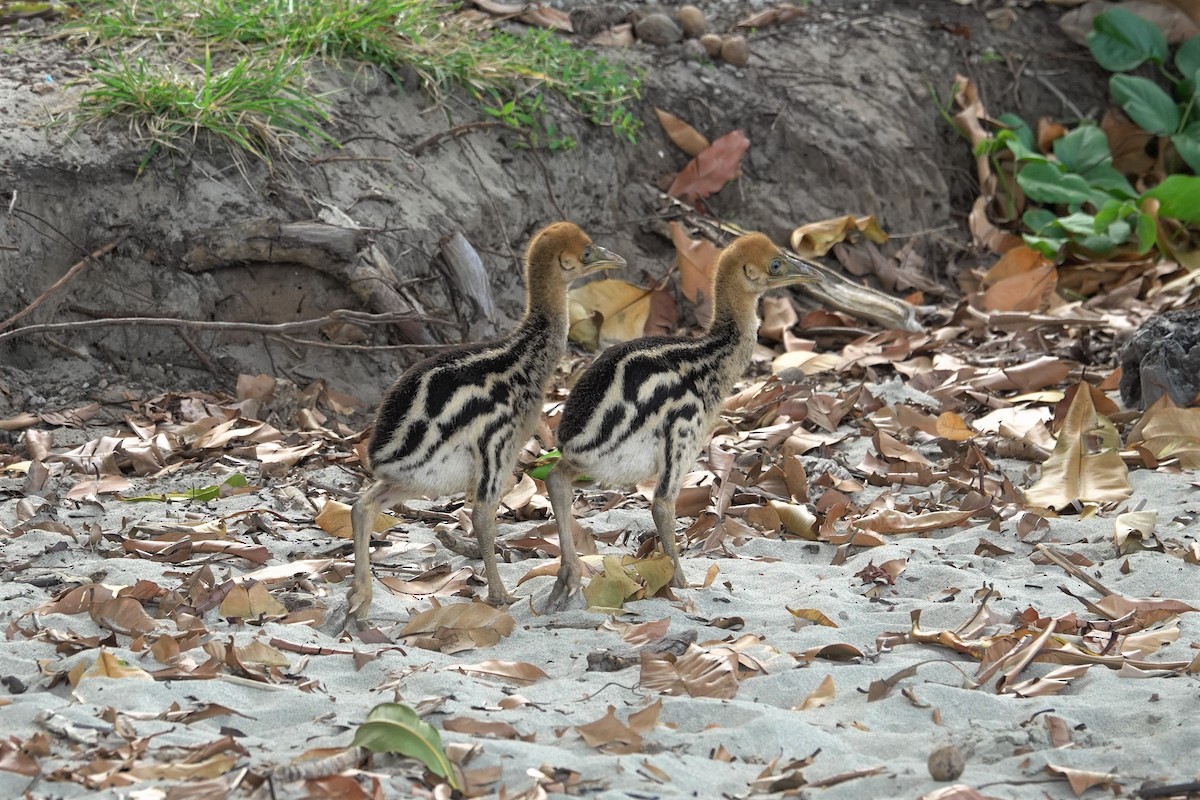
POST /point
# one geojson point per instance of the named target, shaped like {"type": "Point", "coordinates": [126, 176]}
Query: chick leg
{"type": "Point", "coordinates": [362, 521]}
{"type": "Point", "coordinates": [566, 586]}
{"type": "Point", "coordinates": [483, 520]}
{"type": "Point", "coordinates": [663, 512]}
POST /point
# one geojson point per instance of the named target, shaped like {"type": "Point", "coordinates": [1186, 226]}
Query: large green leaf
{"type": "Point", "coordinates": [1187, 57]}
{"type": "Point", "coordinates": [396, 728]}
{"type": "Point", "coordinates": [1039, 220]}
{"type": "Point", "coordinates": [1146, 103]}
{"type": "Point", "coordinates": [1048, 183]}
{"type": "Point", "coordinates": [1178, 197]}
{"type": "Point", "coordinates": [1121, 40]}
{"type": "Point", "coordinates": [1187, 144]}
{"type": "Point", "coordinates": [1083, 148]}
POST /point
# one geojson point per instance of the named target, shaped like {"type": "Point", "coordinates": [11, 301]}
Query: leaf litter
{"type": "Point", "coordinates": [977, 474]}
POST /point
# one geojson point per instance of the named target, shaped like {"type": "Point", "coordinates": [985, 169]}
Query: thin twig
{"type": "Point", "coordinates": [1071, 569]}
{"type": "Point", "coordinates": [216, 369]}
{"type": "Point", "coordinates": [63, 281]}
{"type": "Point", "coordinates": [202, 325]}
{"type": "Point", "coordinates": [458, 130]}
{"type": "Point", "coordinates": [364, 348]}
{"type": "Point", "coordinates": [1066, 101]}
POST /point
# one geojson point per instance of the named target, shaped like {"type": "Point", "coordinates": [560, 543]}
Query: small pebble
{"type": "Point", "coordinates": [693, 22]}
{"type": "Point", "coordinates": [735, 50]}
{"type": "Point", "coordinates": [657, 29]}
{"type": "Point", "coordinates": [946, 763]}
{"type": "Point", "coordinates": [712, 44]}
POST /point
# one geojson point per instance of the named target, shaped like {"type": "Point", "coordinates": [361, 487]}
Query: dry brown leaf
{"type": "Point", "coordinates": [1171, 432]}
{"type": "Point", "coordinates": [696, 259]}
{"type": "Point", "coordinates": [1022, 280]}
{"type": "Point", "coordinates": [898, 522]}
{"type": "Point", "coordinates": [707, 173]}
{"type": "Point", "coordinates": [959, 791]}
{"type": "Point", "coordinates": [1134, 531]}
{"type": "Point", "coordinates": [610, 734]}
{"type": "Point", "coordinates": [122, 615]}
{"type": "Point", "coordinates": [821, 696]}
{"type": "Point", "coordinates": [251, 601]}
{"type": "Point", "coordinates": [816, 238]}
{"type": "Point", "coordinates": [683, 135]}
{"type": "Point", "coordinates": [535, 13]}
{"type": "Point", "coordinates": [487, 729]}
{"type": "Point", "coordinates": [455, 627]}
{"type": "Point", "coordinates": [813, 616]}
{"type": "Point", "coordinates": [107, 665]}
{"type": "Point", "coordinates": [953, 427]}
{"type": "Point", "coordinates": [1086, 464]}
{"type": "Point", "coordinates": [334, 519]}
{"type": "Point", "coordinates": [776, 15]}
{"type": "Point", "coordinates": [696, 673]}
{"type": "Point", "coordinates": [1081, 780]}
{"type": "Point", "coordinates": [519, 672]}
{"type": "Point", "coordinates": [623, 308]}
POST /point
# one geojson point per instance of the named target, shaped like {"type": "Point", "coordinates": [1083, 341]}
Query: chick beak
{"type": "Point", "coordinates": [601, 258]}
{"type": "Point", "coordinates": [797, 270]}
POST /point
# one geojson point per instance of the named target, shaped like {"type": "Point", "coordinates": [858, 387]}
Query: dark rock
{"type": "Point", "coordinates": [657, 29]}
{"type": "Point", "coordinates": [1163, 357]}
{"type": "Point", "coordinates": [590, 20]}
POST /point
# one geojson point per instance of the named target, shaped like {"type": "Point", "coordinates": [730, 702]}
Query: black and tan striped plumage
{"type": "Point", "coordinates": [455, 422]}
{"type": "Point", "coordinates": [646, 407]}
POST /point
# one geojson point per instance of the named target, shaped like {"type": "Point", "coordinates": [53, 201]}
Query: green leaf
{"type": "Point", "coordinates": [1039, 220]}
{"type": "Point", "coordinates": [1082, 149]}
{"type": "Point", "coordinates": [1145, 103]}
{"type": "Point", "coordinates": [1187, 144]}
{"type": "Point", "coordinates": [1079, 223]}
{"type": "Point", "coordinates": [1147, 233]}
{"type": "Point", "coordinates": [1178, 197]}
{"type": "Point", "coordinates": [396, 728]}
{"type": "Point", "coordinates": [202, 495]}
{"type": "Point", "coordinates": [1121, 40]}
{"type": "Point", "coordinates": [1019, 128]}
{"type": "Point", "coordinates": [1047, 183]}
{"type": "Point", "coordinates": [1187, 57]}
{"type": "Point", "coordinates": [1049, 246]}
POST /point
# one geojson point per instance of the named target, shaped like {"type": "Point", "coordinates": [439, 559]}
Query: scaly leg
{"type": "Point", "coordinates": [362, 521]}
{"type": "Point", "coordinates": [483, 520]}
{"type": "Point", "coordinates": [558, 486]}
{"type": "Point", "coordinates": [663, 512]}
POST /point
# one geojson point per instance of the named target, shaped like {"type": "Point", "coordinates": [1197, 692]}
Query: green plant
{"type": "Point", "coordinates": [396, 728]}
{"type": "Point", "coordinates": [1121, 41]}
{"type": "Point", "coordinates": [516, 78]}
{"type": "Point", "coordinates": [1086, 207]}
{"type": "Point", "coordinates": [255, 104]}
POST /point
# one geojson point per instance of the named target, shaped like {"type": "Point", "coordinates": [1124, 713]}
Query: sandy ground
{"type": "Point", "coordinates": [1138, 726]}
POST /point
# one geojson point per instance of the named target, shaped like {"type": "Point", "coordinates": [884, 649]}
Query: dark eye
{"type": "Point", "coordinates": [776, 265]}
{"type": "Point", "coordinates": [587, 253]}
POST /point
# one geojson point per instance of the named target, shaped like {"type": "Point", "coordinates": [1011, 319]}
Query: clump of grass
{"type": "Point", "coordinates": [256, 105]}
{"type": "Point", "coordinates": [516, 78]}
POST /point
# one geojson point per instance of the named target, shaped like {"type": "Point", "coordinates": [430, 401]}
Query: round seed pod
{"type": "Point", "coordinates": [946, 763]}
{"type": "Point", "coordinates": [693, 21]}
{"type": "Point", "coordinates": [712, 44]}
{"type": "Point", "coordinates": [735, 50]}
{"type": "Point", "coordinates": [693, 50]}
{"type": "Point", "coordinates": [657, 29]}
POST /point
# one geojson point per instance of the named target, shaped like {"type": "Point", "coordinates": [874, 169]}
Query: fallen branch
{"type": "Point", "coordinates": [836, 290]}
{"type": "Point", "coordinates": [204, 325]}
{"type": "Point", "coordinates": [63, 281]}
{"type": "Point", "coordinates": [458, 130]}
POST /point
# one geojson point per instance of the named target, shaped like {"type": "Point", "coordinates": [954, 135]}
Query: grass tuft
{"type": "Point", "coordinates": [254, 98]}
{"type": "Point", "coordinates": [254, 105]}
